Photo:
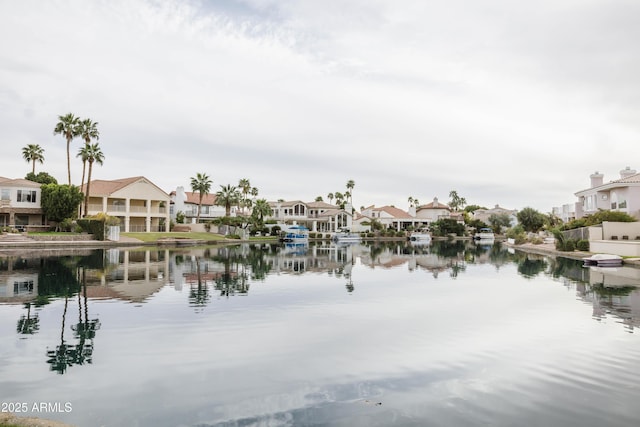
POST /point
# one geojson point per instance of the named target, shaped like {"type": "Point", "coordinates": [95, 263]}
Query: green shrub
{"type": "Point", "coordinates": [92, 226]}
{"type": "Point", "coordinates": [583, 245]}
{"type": "Point", "coordinates": [569, 245]}
{"type": "Point", "coordinates": [233, 236]}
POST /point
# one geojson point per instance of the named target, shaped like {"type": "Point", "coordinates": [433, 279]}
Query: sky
{"type": "Point", "coordinates": [509, 103]}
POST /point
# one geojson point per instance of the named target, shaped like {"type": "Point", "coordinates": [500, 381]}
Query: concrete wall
{"type": "Point", "coordinates": [620, 247]}
{"type": "Point", "coordinates": [617, 230]}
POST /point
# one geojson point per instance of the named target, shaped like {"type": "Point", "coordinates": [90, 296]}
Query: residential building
{"type": "Point", "coordinates": [622, 195]}
{"type": "Point", "coordinates": [433, 211]}
{"type": "Point", "coordinates": [20, 204]}
{"type": "Point", "coordinates": [392, 217]}
{"type": "Point", "coordinates": [566, 212]}
{"type": "Point", "coordinates": [484, 214]}
{"type": "Point", "coordinates": [316, 216]}
{"type": "Point", "coordinates": [141, 205]}
{"type": "Point", "coordinates": [187, 202]}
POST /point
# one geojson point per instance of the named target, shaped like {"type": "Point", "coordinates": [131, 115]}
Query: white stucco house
{"type": "Point", "coordinates": [20, 204]}
{"type": "Point", "coordinates": [392, 217]}
{"type": "Point", "coordinates": [316, 216]}
{"type": "Point", "coordinates": [622, 194]}
{"type": "Point", "coordinates": [187, 202]}
{"type": "Point", "coordinates": [433, 211]}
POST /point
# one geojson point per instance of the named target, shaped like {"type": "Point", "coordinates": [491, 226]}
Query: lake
{"type": "Point", "coordinates": [385, 334]}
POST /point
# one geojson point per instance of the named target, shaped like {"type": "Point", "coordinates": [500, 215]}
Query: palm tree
{"type": "Point", "coordinates": [202, 184]}
{"type": "Point", "coordinates": [330, 197]}
{"type": "Point", "coordinates": [261, 208]}
{"type": "Point", "coordinates": [227, 196]}
{"type": "Point", "coordinates": [350, 184]}
{"type": "Point", "coordinates": [83, 154]}
{"type": "Point", "coordinates": [33, 153]}
{"type": "Point", "coordinates": [68, 126]}
{"type": "Point", "coordinates": [94, 155]}
{"type": "Point", "coordinates": [245, 187]}
{"type": "Point", "coordinates": [88, 130]}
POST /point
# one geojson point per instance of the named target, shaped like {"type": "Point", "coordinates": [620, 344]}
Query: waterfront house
{"type": "Point", "coordinates": [622, 195]}
{"type": "Point", "coordinates": [187, 202]}
{"type": "Point", "coordinates": [433, 211]}
{"type": "Point", "coordinates": [140, 204]}
{"type": "Point", "coordinates": [392, 217]}
{"type": "Point", "coordinates": [484, 214]}
{"type": "Point", "coordinates": [20, 204]}
{"type": "Point", "coordinates": [316, 216]}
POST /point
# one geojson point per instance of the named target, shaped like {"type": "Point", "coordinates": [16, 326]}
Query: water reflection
{"type": "Point", "coordinates": [34, 279]}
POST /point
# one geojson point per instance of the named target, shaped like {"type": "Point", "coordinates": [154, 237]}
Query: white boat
{"type": "Point", "coordinates": [420, 236]}
{"type": "Point", "coordinates": [603, 260]}
{"type": "Point", "coordinates": [346, 236]}
{"type": "Point", "coordinates": [484, 234]}
{"type": "Point", "coordinates": [296, 234]}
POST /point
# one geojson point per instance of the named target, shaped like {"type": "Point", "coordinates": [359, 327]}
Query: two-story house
{"type": "Point", "coordinates": [434, 211]}
{"type": "Point", "coordinates": [187, 202]}
{"type": "Point", "coordinates": [140, 204]}
{"type": "Point", "coordinates": [484, 214]}
{"type": "Point", "coordinates": [20, 203]}
{"type": "Point", "coordinates": [316, 216]}
{"type": "Point", "coordinates": [621, 195]}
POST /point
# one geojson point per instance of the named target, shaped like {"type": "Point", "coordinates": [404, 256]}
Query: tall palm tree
{"type": "Point", "coordinates": [330, 197]}
{"type": "Point", "coordinates": [227, 196]}
{"type": "Point", "coordinates": [68, 126]}
{"type": "Point", "coordinates": [83, 154]}
{"type": "Point", "coordinates": [202, 184]}
{"type": "Point", "coordinates": [33, 153]}
{"type": "Point", "coordinates": [261, 208]}
{"type": "Point", "coordinates": [245, 187]}
{"type": "Point", "coordinates": [94, 155]}
{"type": "Point", "coordinates": [88, 130]}
{"type": "Point", "coordinates": [350, 184]}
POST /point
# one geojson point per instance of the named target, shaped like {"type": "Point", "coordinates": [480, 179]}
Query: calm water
{"type": "Point", "coordinates": [383, 335]}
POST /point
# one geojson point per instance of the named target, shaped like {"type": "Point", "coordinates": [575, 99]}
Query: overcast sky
{"type": "Point", "coordinates": [510, 103]}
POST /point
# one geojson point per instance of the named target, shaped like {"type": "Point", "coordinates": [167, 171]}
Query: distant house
{"type": "Point", "coordinates": [316, 216]}
{"type": "Point", "coordinates": [622, 195]}
{"type": "Point", "coordinates": [391, 217]}
{"type": "Point", "coordinates": [433, 211]}
{"type": "Point", "coordinates": [566, 212]}
{"type": "Point", "coordinates": [140, 204]}
{"type": "Point", "coordinates": [484, 214]}
{"type": "Point", "coordinates": [20, 203]}
{"type": "Point", "coordinates": [187, 202]}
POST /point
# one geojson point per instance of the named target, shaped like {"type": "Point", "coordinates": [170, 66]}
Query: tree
{"type": "Point", "coordinates": [261, 209]}
{"type": "Point", "coordinates": [498, 221]}
{"type": "Point", "coordinates": [319, 199]}
{"type": "Point", "coordinates": [350, 184]}
{"type": "Point", "coordinates": [227, 196]}
{"type": "Point", "coordinates": [245, 188]}
{"type": "Point", "coordinates": [68, 126]}
{"type": "Point", "coordinates": [60, 202]}
{"type": "Point", "coordinates": [94, 155]}
{"type": "Point", "coordinates": [202, 184]}
{"type": "Point", "coordinates": [456, 202]}
{"type": "Point", "coordinates": [446, 226]}
{"type": "Point", "coordinates": [531, 220]}
{"type": "Point", "coordinates": [330, 197]}
{"type": "Point", "coordinates": [87, 130]}
{"type": "Point", "coordinates": [472, 208]}
{"type": "Point", "coordinates": [41, 178]}
{"type": "Point", "coordinates": [33, 153]}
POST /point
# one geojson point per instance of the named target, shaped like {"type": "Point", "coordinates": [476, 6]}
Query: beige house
{"type": "Point", "coordinates": [392, 217]}
{"type": "Point", "coordinates": [433, 211]}
{"type": "Point", "coordinates": [141, 205]}
{"type": "Point", "coordinates": [622, 195]}
{"type": "Point", "coordinates": [484, 214]}
{"type": "Point", "coordinates": [20, 204]}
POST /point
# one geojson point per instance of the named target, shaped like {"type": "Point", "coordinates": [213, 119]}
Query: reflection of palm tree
{"type": "Point", "coordinates": [28, 325]}
{"type": "Point", "coordinates": [61, 357]}
{"type": "Point", "coordinates": [199, 296]}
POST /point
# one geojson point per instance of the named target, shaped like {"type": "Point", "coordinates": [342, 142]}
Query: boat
{"type": "Point", "coordinates": [484, 234]}
{"type": "Point", "coordinates": [420, 236]}
{"type": "Point", "coordinates": [345, 235]}
{"type": "Point", "coordinates": [296, 234]}
{"type": "Point", "coordinates": [603, 260]}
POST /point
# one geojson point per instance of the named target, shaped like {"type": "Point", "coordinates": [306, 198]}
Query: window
{"type": "Point", "coordinates": [28, 196]}
{"type": "Point", "coordinates": [5, 194]}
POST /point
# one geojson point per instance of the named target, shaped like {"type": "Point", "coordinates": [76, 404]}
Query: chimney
{"type": "Point", "coordinates": [596, 179]}
{"type": "Point", "coordinates": [627, 172]}
{"type": "Point", "coordinates": [435, 202]}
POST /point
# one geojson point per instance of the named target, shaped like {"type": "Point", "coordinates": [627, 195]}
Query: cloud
{"type": "Point", "coordinates": [506, 103]}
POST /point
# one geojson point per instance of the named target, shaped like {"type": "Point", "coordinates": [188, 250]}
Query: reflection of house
{"type": "Point", "coordinates": [20, 203]}
{"type": "Point", "coordinates": [484, 214]}
{"type": "Point", "coordinates": [316, 216]}
{"type": "Point", "coordinates": [187, 202]}
{"type": "Point", "coordinates": [140, 204]}
{"type": "Point", "coordinates": [621, 195]}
